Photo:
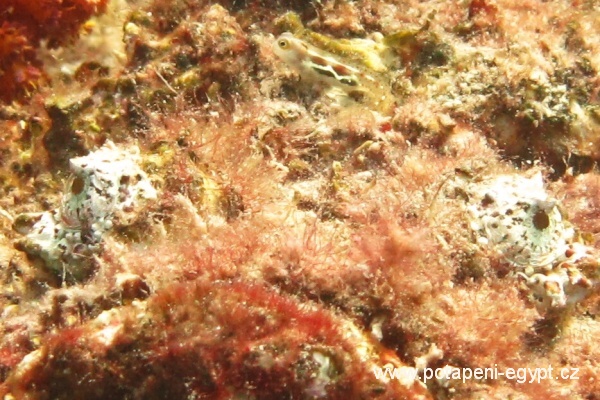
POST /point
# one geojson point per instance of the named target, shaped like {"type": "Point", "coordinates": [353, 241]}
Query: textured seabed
{"type": "Point", "coordinates": [186, 215]}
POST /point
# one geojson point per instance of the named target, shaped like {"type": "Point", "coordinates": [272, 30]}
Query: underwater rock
{"type": "Point", "coordinates": [240, 341]}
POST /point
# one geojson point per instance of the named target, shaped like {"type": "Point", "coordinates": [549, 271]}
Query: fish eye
{"type": "Point", "coordinates": [283, 43]}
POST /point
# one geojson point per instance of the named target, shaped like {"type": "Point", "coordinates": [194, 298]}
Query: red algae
{"type": "Point", "coordinates": [217, 341]}
{"type": "Point", "coordinates": [23, 25]}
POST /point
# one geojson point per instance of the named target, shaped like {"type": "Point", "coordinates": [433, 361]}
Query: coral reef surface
{"type": "Point", "coordinates": [330, 199]}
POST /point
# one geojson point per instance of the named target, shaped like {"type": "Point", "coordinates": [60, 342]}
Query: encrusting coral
{"type": "Point", "coordinates": [193, 212]}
